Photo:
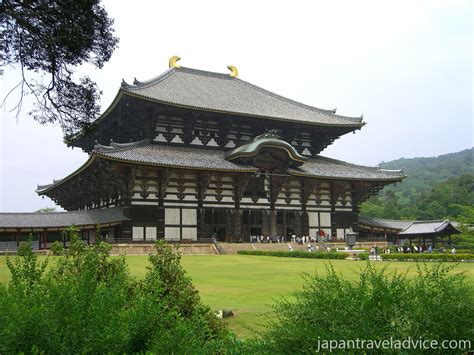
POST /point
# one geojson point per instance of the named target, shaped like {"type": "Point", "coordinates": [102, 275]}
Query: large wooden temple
{"type": "Point", "coordinates": [193, 154]}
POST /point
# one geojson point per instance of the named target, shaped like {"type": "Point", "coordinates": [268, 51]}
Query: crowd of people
{"type": "Point", "coordinates": [412, 249]}
{"type": "Point", "coordinates": [282, 239]}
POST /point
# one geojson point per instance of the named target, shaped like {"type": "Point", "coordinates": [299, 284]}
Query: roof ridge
{"type": "Point", "coordinates": [117, 147]}
{"type": "Point", "coordinates": [143, 84]}
{"type": "Point", "coordinates": [431, 221]}
{"type": "Point", "coordinates": [388, 219]}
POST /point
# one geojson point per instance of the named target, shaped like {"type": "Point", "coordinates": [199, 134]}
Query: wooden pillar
{"type": "Point", "coordinates": [127, 225]}
{"type": "Point", "coordinates": [237, 225]}
{"type": "Point", "coordinates": [304, 223]}
{"type": "Point", "coordinates": [305, 192]}
{"type": "Point", "coordinates": [298, 229]}
{"type": "Point", "coordinates": [272, 220]}
{"type": "Point", "coordinates": [265, 223]}
{"type": "Point", "coordinates": [449, 239]}
{"type": "Point", "coordinates": [333, 211]}
{"type": "Point", "coordinates": [45, 239]}
{"type": "Point", "coordinates": [17, 238]}
{"type": "Point", "coordinates": [160, 225]}
{"type": "Point", "coordinates": [229, 221]}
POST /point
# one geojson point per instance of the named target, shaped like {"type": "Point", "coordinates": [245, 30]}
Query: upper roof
{"type": "Point", "coordinates": [148, 153]}
{"type": "Point", "coordinates": [61, 219]}
{"type": "Point", "coordinates": [199, 89]}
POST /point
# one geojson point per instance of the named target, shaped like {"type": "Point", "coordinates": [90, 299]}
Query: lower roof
{"type": "Point", "coordinates": [197, 158]}
{"type": "Point", "coordinates": [62, 220]}
{"type": "Point", "coordinates": [384, 223]}
{"type": "Point", "coordinates": [430, 227]}
{"type": "Point", "coordinates": [410, 228]}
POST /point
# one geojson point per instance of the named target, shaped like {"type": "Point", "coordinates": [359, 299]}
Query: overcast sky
{"type": "Point", "coordinates": [405, 65]}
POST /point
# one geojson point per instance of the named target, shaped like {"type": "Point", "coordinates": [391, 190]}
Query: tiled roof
{"type": "Point", "coordinates": [429, 227]}
{"type": "Point", "coordinates": [407, 228]}
{"type": "Point", "coordinates": [384, 223]}
{"type": "Point", "coordinates": [148, 153]}
{"type": "Point", "coordinates": [218, 92]}
{"type": "Point", "coordinates": [61, 219]}
{"type": "Point", "coordinates": [331, 168]}
{"type": "Point", "coordinates": [173, 156]}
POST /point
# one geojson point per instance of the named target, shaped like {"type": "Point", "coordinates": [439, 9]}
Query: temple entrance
{"type": "Point", "coordinates": [286, 224]}
{"type": "Point", "coordinates": [252, 223]}
{"type": "Point", "coordinates": [215, 220]}
{"type": "Point", "coordinates": [219, 234]}
{"type": "Point", "coordinates": [256, 231]}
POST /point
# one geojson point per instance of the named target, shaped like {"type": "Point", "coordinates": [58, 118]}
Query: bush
{"type": "Point", "coordinates": [428, 257]}
{"type": "Point", "coordinates": [296, 254]}
{"type": "Point", "coordinates": [433, 305]}
{"type": "Point", "coordinates": [89, 303]}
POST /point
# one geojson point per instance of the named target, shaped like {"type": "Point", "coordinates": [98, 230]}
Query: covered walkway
{"type": "Point", "coordinates": [46, 228]}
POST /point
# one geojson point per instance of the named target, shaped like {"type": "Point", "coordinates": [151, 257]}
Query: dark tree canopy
{"type": "Point", "coordinates": [52, 37]}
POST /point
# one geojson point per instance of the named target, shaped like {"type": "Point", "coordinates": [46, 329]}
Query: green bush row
{"type": "Point", "coordinates": [428, 256]}
{"type": "Point", "coordinates": [296, 254]}
{"type": "Point", "coordinates": [422, 257]}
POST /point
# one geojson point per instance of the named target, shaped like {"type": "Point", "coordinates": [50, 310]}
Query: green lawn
{"type": "Point", "coordinates": [248, 285]}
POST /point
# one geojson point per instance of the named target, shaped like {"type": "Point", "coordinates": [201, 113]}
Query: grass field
{"type": "Point", "coordinates": [248, 285]}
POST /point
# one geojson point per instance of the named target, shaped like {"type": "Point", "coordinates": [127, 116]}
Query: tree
{"type": "Point", "coordinates": [46, 210]}
{"type": "Point", "coordinates": [52, 38]}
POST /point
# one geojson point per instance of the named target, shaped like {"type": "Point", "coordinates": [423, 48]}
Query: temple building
{"type": "Point", "coordinates": [192, 155]}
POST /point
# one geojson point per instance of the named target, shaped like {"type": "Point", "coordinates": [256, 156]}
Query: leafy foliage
{"type": "Point", "coordinates": [433, 305]}
{"type": "Point", "coordinates": [435, 188]}
{"type": "Point", "coordinates": [88, 302]}
{"type": "Point", "coordinates": [46, 210]}
{"type": "Point", "coordinates": [295, 254]}
{"type": "Point", "coordinates": [52, 38]}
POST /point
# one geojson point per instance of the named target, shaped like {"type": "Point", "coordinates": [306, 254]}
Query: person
{"type": "Point", "coordinates": [453, 251]}
{"type": "Point", "coordinates": [290, 248]}
{"type": "Point", "coordinates": [309, 247]}
{"type": "Point", "coordinates": [415, 248]}
{"type": "Point", "coordinates": [430, 249]}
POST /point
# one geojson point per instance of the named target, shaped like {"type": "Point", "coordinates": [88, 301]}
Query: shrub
{"type": "Point", "coordinates": [89, 303]}
{"type": "Point", "coordinates": [296, 254]}
{"type": "Point", "coordinates": [433, 305]}
{"type": "Point", "coordinates": [428, 257]}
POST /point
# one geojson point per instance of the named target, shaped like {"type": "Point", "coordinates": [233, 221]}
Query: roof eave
{"type": "Point", "coordinates": [354, 125]}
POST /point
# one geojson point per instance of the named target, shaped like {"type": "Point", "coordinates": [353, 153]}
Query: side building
{"type": "Point", "coordinates": [192, 155]}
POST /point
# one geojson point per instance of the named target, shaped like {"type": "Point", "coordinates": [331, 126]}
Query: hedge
{"type": "Point", "coordinates": [295, 254]}
{"type": "Point", "coordinates": [423, 257]}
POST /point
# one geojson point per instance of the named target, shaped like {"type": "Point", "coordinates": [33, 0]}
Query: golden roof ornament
{"type": "Point", "coordinates": [173, 60]}
{"type": "Point", "coordinates": [233, 71]}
